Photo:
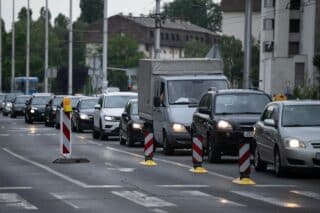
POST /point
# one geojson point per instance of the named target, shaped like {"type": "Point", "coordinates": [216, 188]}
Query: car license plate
{"type": "Point", "coordinates": [318, 156]}
{"type": "Point", "coordinates": [248, 134]}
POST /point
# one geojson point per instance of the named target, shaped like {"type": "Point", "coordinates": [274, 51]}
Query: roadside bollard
{"type": "Point", "coordinates": [148, 148]}
{"type": "Point", "coordinates": [197, 155]}
{"type": "Point", "coordinates": [244, 164]}
{"type": "Point", "coordinates": [66, 135]}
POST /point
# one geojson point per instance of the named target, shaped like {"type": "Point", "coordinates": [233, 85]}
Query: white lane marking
{"type": "Point", "coordinates": [159, 211]}
{"type": "Point", "coordinates": [172, 163]}
{"type": "Point", "coordinates": [4, 135]}
{"type": "Point", "coordinates": [274, 186]}
{"type": "Point", "coordinates": [15, 201]}
{"type": "Point", "coordinates": [15, 188]}
{"type": "Point", "coordinates": [220, 200]}
{"type": "Point", "coordinates": [270, 200]}
{"type": "Point", "coordinates": [56, 173]}
{"type": "Point", "coordinates": [103, 186]}
{"type": "Point", "coordinates": [143, 199]}
{"type": "Point", "coordinates": [309, 194]}
{"type": "Point", "coordinates": [122, 169]}
{"type": "Point", "coordinates": [94, 143]}
{"type": "Point", "coordinates": [81, 137]}
{"type": "Point", "coordinates": [183, 186]}
{"type": "Point", "coordinates": [64, 198]}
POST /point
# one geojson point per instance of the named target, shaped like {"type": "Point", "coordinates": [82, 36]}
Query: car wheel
{"type": "Point", "coordinates": [168, 150]}
{"type": "Point", "coordinates": [95, 133]}
{"type": "Point", "coordinates": [278, 168]}
{"type": "Point", "coordinates": [130, 141]}
{"type": "Point", "coordinates": [78, 129]}
{"type": "Point", "coordinates": [13, 115]}
{"type": "Point", "coordinates": [73, 128]}
{"type": "Point", "coordinates": [214, 154]}
{"type": "Point", "coordinates": [102, 135]}
{"type": "Point", "coordinates": [259, 165]}
{"type": "Point", "coordinates": [57, 126]}
{"type": "Point", "coordinates": [122, 140]}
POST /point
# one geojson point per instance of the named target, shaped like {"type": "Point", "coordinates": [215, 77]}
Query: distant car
{"type": "Point", "coordinates": [7, 106]}
{"type": "Point", "coordinates": [35, 107]}
{"type": "Point", "coordinates": [51, 110]}
{"type": "Point", "coordinates": [107, 113]}
{"type": "Point", "coordinates": [2, 99]}
{"type": "Point", "coordinates": [82, 116]}
{"type": "Point", "coordinates": [226, 117]}
{"type": "Point", "coordinates": [19, 105]}
{"type": "Point", "coordinates": [131, 125]}
{"type": "Point", "coordinates": [74, 102]}
{"type": "Point", "coordinates": [288, 136]}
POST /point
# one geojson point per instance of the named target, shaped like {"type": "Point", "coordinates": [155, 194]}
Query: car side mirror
{"type": "Point", "coordinates": [269, 122]}
{"type": "Point", "coordinates": [204, 110]}
{"type": "Point", "coordinates": [97, 107]}
{"type": "Point", "coordinates": [156, 102]}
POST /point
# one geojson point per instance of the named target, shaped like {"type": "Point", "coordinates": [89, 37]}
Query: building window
{"type": "Point", "coordinates": [197, 38]}
{"type": "Point", "coordinates": [269, 3]}
{"type": "Point", "coordinates": [295, 4]}
{"type": "Point", "coordinates": [177, 37]}
{"type": "Point", "coordinates": [299, 75]}
{"type": "Point", "coordinates": [187, 38]}
{"type": "Point", "coordinates": [294, 48]}
{"type": "Point", "coordinates": [173, 37]}
{"type": "Point", "coordinates": [294, 26]}
{"type": "Point", "coordinates": [147, 47]}
{"type": "Point", "coordinates": [268, 24]}
{"type": "Point", "coordinates": [201, 39]}
{"type": "Point", "coordinates": [151, 34]}
{"type": "Point", "coordinates": [167, 36]}
{"type": "Point", "coordinates": [162, 37]}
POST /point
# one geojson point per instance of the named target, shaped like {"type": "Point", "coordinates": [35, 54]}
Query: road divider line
{"type": "Point", "coordinates": [58, 174]}
{"type": "Point", "coordinates": [159, 211]}
{"type": "Point", "coordinates": [171, 162]}
{"type": "Point", "coordinates": [143, 199]}
{"type": "Point", "coordinates": [15, 201]}
{"type": "Point", "coordinates": [94, 143]}
{"type": "Point", "coordinates": [274, 186]}
{"type": "Point", "coordinates": [64, 199]}
{"type": "Point", "coordinates": [269, 200]}
{"type": "Point", "coordinates": [183, 186]}
{"type": "Point", "coordinates": [309, 194]}
{"type": "Point", "coordinates": [16, 188]}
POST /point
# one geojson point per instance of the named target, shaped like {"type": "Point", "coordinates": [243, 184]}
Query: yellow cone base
{"type": "Point", "coordinates": [148, 163]}
{"type": "Point", "coordinates": [244, 181]}
{"type": "Point", "coordinates": [198, 170]}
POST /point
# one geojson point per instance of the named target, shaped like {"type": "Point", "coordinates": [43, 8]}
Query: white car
{"type": "Point", "coordinates": [107, 113]}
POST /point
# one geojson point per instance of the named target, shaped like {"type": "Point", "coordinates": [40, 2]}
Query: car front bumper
{"type": "Point", "coordinates": [111, 128]}
{"type": "Point", "coordinates": [301, 158]}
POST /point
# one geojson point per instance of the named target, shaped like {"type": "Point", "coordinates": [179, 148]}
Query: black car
{"type": "Point", "coordinates": [131, 125]}
{"type": "Point", "coordinates": [226, 117]}
{"type": "Point", "coordinates": [51, 110]}
{"type": "Point", "coordinates": [74, 102]}
{"type": "Point", "coordinates": [19, 105]}
{"type": "Point", "coordinates": [35, 108]}
{"type": "Point", "coordinates": [82, 116]}
{"type": "Point", "coordinates": [7, 103]}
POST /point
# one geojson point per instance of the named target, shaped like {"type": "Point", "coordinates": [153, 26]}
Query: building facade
{"type": "Point", "coordinates": [288, 45]}
{"type": "Point", "coordinates": [233, 18]}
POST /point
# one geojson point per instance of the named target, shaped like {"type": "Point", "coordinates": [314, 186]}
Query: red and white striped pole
{"type": "Point", "coordinates": [65, 140]}
{"type": "Point", "coordinates": [197, 155]}
{"type": "Point", "coordinates": [148, 148]}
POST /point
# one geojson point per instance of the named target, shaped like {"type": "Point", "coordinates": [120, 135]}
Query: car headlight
{"type": "Point", "coordinates": [137, 126]}
{"type": "Point", "coordinates": [294, 143]}
{"type": "Point", "coordinates": [224, 125]}
{"type": "Point", "coordinates": [108, 118]}
{"type": "Point", "coordinates": [84, 116]}
{"type": "Point", "coordinates": [178, 128]}
{"type": "Point", "coordinates": [32, 110]}
{"type": "Point", "coordinates": [54, 108]}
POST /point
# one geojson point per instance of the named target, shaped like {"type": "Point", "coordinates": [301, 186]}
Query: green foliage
{"type": "Point", "coordinates": [204, 13]}
{"type": "Point", "coordinates": [196, 49]}
{"type": "Point", "coordinates": [91, 10]}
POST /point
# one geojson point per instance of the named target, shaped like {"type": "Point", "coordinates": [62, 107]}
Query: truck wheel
{"type": "Point", "coordinates": [168, 150]}
{"type": "Point", "coordinates": [214, 154]}
{"type": "Point", "coordinates": [259, 165]}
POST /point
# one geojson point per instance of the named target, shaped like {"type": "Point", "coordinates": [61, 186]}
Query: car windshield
{"type": "Point", "coordinates": [117, 101]}
{"type": "Point", "coordinates": [57, 101]}
{"type": "Point", "coordinates": [21, 100]}
{"type": "Point", "coordinates": [240, 103]}
{"type": "Point", "coordinates": [40, 100]}
{"type": "Point", "coordinates": [134, 109]}
{"type": "Point", "coordinates": [190, 91]}
{"type": "Point", "coordinates": [74, 102]}
{"type": "Point", "coordinates": [88, 104]}
{"type": "Point", "coordinates": [301, 115]}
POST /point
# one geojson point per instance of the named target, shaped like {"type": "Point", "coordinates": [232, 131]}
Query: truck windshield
{"type": "Point", "coordinates": [190, 91]}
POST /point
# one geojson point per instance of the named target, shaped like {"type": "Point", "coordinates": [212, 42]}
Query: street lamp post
{"type": "Point", "coordinates": [105, 46]}
{"type": "Point", "coordinates": [46, 54]}
{"type": "Point", "coordinates": [13, 54]}
{"type": "Point", "coordinates": [0, 46]}
{"type": "Point", "coordinates": [70, 52]}
{"type": "Point", "coordinates": [28, 49]}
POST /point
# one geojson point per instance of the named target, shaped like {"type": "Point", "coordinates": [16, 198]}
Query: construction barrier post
{"type": "Point", "coordinates": [197, 155]}
{"type": "Point", "coordinates": [66, 135]}
{"type": "Point", "coordinates": [148, 148]}
{"type": "Point", "coordinates": [244, 164]}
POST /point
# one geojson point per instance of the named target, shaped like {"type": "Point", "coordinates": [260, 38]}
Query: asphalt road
{"type": "Point", "coordinates": [115, 181]}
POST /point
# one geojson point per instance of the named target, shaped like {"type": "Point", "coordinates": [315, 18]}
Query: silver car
{"type": "Point", "coordinates": [288, 136]}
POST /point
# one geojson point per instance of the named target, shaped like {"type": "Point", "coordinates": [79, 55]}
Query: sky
{"type": "Point", "coordinates": [136, 7]}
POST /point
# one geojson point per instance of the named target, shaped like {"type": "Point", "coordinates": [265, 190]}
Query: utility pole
{"type": "Point", "coordinates": [0, 46]}
{"type": "Point", "coordinates": [13, 54]}
{"type": "Point", "coordinates": [28, 49]}
{"type": "Point", "coordinates": [247, 45]}
{"type": "Point", "coordinates": [70, 51]}
{"type": "Point", "coordinates": [158, 26]}
{"type": "Point", "coordinates": [46, 54]}
{"type": "Point", "coordinates": [105, 46]}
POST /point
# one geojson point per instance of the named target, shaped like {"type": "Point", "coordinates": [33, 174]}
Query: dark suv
{"type": "Point", "coordinates": [226, 117]}
{"type": "Point", "coordinates": [35, 107]}
{"type": "Point", "coordinates": [19, 105]}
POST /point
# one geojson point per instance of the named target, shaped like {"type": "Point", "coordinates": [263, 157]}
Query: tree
{"type": "Point", "coordinates": [196, 49]}
{"type": "Point", "coordinates": [204, 13]}
{"type": "Point", "coordinates": [91, 10]}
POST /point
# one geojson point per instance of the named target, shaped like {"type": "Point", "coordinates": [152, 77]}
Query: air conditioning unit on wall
{"type": "Point", "coordinates": [268, 46]}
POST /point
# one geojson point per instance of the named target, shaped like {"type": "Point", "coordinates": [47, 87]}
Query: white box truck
{"type": "Point", "coordinates": [169, 92]}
